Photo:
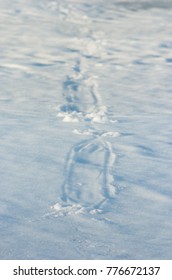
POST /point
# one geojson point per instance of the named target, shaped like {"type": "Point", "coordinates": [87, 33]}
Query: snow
{"type": "Point", "coordinates": [85, 121]}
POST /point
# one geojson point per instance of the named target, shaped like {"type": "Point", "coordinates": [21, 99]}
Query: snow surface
{"type": "Point", "coordinates": [85, 117]}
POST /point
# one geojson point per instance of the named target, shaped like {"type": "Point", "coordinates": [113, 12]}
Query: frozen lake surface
{"type": "Point", "coordinates": [86, 129]}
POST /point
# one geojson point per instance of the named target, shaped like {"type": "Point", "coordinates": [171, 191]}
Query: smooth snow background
{"type": "Point", "coordinates": [114, 57]}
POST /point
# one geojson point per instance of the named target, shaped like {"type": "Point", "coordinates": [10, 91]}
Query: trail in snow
{"type": "Point", "coordinates": [89, 180]}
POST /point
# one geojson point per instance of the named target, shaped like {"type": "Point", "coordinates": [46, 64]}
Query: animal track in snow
{"type": "Point", "coordinates": [89, 181]}
{"type": "Point", "coordinates": [82, 100]}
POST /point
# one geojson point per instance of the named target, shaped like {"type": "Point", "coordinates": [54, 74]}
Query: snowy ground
{"type": "Point", "coordinates": [85, 123]}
